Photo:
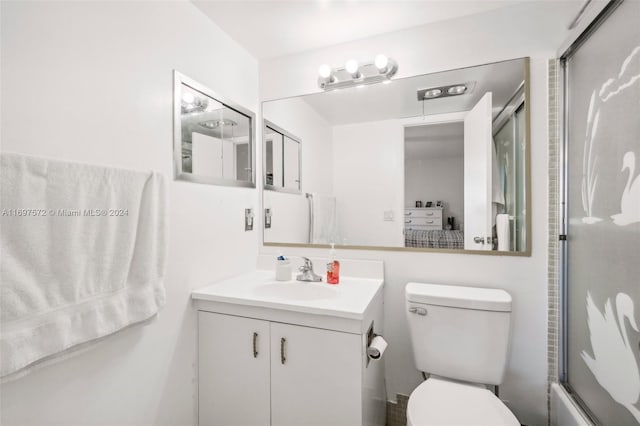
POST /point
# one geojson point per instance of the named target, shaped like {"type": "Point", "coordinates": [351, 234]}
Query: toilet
{"type": "Point", "coordinates": [460, 338]}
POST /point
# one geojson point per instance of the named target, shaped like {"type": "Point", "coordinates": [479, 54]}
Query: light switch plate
{"type": "Point", "coordinates": [388, 215]}
{"type": "Point", "coordinates": [267, 218]}
{"type": "Point", "coordinates": [248, 219]}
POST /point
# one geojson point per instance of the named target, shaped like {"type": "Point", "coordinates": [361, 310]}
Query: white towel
{"type": "Point", "coordinates": [502, 231]}
{"type": "Point", "coordinates": [497, 193]}
{"type": "Point", "coordinates": [83, 254]}
{"type": "Point", "coordinates": [324, 219]}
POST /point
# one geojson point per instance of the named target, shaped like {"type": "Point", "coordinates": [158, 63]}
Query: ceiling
{"type": "Point", "coordinates": [399, 100]}
{"type": "Point", "coordinates": [434, 141]}
{"type": "Point", "coordinates": [269, 29]}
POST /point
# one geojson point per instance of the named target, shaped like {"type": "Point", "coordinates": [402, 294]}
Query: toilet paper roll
{"type": "Point", "coordinates": [502, 230]}
{"type": "Point", "coordinates": [377, 347]}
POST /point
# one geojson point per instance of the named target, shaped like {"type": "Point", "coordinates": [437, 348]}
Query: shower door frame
{"type": "Point", "coordinates": [563, 211]}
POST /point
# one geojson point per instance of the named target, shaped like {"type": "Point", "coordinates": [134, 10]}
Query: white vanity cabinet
{"type": "Point", "coordinates": [256, 372]}
{"type": "Point", "coordinates": [290, 353]}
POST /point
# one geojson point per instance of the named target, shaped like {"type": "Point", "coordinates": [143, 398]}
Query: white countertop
{"type": "Point", "coordinates": [349, 299]}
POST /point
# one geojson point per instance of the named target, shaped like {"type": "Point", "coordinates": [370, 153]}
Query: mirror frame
{"type": "Point", "coordinates": [266, 123]}
{"type": "Point", "coordinates": [180, 79]}
{"type": "Point", "coordinates": [527, 173]}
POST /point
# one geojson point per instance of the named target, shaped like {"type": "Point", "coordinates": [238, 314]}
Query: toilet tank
{"type": "Point", "coordinates": [459, 332]}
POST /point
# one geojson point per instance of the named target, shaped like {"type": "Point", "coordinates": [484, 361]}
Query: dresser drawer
{"type": "Point", "coordinates": [423, 227]}
{"type": "Point", "coordinates": [430, 221]}
{"type": "Point", "coordinates": [424, 212]}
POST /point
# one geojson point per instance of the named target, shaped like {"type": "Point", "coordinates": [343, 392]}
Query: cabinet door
{"type": "Point", "coordinates": [315, 377]}
{"type": "Point", "coordinates": [233, 385]}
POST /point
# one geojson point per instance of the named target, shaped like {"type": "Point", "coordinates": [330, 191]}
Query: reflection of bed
{"type": "Point", "coordinates": [434, 239]}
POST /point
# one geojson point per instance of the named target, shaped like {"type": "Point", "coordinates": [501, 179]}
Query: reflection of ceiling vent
{"type": "Point", "coordinates": [214, 124]}
{"type": "Point", "coordinates": [445, 91]}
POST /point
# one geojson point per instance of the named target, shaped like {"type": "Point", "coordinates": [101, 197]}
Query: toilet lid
{"type": "Point", "coordinates": [447, 403]}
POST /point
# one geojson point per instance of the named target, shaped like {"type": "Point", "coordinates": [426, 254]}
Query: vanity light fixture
{"type": "Point", "coordinates": [192, 103]}
{"type": "Point", "coordinates": [444, 91]}
{"type": "Point", "coordinates": [353, 74]}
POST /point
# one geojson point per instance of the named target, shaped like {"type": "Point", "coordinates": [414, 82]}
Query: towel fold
{"type": "Point", "coordinates": [83, 254]}
{"type": "Point", "coordinates": [324, 219]}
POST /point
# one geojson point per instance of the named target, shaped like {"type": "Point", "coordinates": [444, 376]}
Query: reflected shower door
{"type": "Point", "coordinates": [602, 286]}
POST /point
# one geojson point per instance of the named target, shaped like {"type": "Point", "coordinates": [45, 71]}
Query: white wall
{"type": "Point", "coordinates": [534, 30]}
{"type": "Point", "coordinates": [290, 212]}
{"type": "Point", "coordinates": [368, 179]}
{"type": "Point", "coordinates": [433, 179]}
{"type": "Point", "coordinates": [92, 82]}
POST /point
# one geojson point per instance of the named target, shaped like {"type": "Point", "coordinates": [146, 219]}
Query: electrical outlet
{"type": "Point", "coordinates": [388, 215]}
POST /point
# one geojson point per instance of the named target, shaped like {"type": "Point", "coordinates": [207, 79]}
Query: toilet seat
{"type": "Point", "coordinates": [442, 402]}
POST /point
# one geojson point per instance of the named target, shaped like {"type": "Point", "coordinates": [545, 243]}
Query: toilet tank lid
{"type": "Point", "coordinates": [485, 299]}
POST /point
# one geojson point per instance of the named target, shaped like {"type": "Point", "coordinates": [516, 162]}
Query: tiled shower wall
{"type": "Point", "coordinates": [554, 228]}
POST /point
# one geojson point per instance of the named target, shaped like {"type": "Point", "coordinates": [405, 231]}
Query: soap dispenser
{"type": "Point", "coordinates": [333, 267]}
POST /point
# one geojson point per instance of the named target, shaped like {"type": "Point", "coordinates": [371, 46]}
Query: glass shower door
{"type": "Point", "coordinates": [509, 143]}
{"type": "Point", "coordinates": [602, 285]}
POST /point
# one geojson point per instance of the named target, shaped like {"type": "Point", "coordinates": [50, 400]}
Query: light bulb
{"type": "Point", "coordinates": [352, 67]}
{"type": "Point", "coordinates": [188, 98]}
{"type": "Point", "coordinates": [432, 93]}
{"type": "Point", "coordinates": [324, 71]}
{"type": "Point", "coordinates": [457, 90]}
{"type": "Point", "coordinates": [381, 63]}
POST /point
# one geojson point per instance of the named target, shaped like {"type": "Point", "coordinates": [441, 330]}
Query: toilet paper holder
{"type": "Point", "coordinates": [370, 336]}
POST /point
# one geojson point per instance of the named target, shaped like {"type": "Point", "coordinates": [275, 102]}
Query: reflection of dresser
{"type": "Point", "coordinates": [426, 218]}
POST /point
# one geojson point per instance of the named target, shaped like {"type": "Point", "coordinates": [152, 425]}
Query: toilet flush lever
{"type": "Point", "coordinates": [419, 311]}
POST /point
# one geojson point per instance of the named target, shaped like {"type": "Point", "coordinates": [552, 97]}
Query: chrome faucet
{"type": "Point", "coordinates": [307, 272]}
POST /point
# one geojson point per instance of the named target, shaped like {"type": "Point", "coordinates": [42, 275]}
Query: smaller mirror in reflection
{"type": "Point", "coordinates": [282, 157]}
{"type": "Point", "coordinates": [214, 139]}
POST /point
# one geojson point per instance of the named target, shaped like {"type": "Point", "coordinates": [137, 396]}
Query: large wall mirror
{"type": "Point", "coordinates": [213, 138]}
{"type": "Point", "coordinates": [436, 162]}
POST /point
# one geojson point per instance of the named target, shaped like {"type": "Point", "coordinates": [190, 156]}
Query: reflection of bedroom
{"type": "Point", "coordinates": [433, 168]}
{"type": "Point", "coordinates": [434, 185]}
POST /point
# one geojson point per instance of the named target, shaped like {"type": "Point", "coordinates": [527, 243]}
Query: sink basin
{"type": "Point", "coordinates": [296, 291]}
